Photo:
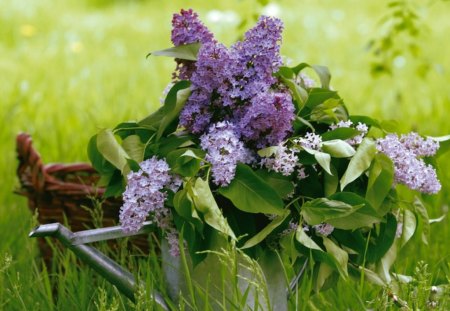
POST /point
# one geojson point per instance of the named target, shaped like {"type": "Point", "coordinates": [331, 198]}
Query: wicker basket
{"type": "Point", "coordinates": [64, 193]}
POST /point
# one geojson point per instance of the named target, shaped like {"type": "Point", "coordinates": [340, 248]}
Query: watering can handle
{"type": "Point", "coordinates": [105, 266]}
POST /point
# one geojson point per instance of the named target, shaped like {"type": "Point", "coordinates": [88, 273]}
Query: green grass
{"type": "Point", "coordinates": [68, 68]}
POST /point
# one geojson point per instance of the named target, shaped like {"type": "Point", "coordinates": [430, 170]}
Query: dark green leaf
{"type": "Point", "coordinates": [323, 210]}
{"type": "Point", "coordinates": [384, 240]}
{"type": "Point", "coordinates": [366, 120]}
{"type": "Point", "coordinates": [317, 96]}
{"type": "Point", "coordinates": [174, 102]}
{"type": "Point", "coordinates": [361, 217]}
{"type": "Point", "coordinates": [184, 206]}
{"type": "Point", "coordinates": [281, 184]}
{"type": "Point", "coordinates": [186, 51]}
{"type": "Point", "coordinates": [340, 133]}
{"type": "Point", "coordinates": [250, 193]}
{"type": "Point", "coordinates": [256, 239]}
{"type": "Point", "coordinates": [324, 75]}
{"type": "Point", "coordinates": [100, 164]}
{"type": "Point", "coordinates": [185, 164]}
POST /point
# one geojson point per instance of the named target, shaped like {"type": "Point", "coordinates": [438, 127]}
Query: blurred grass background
{"type": "Point", "coordinates": [68, 68]}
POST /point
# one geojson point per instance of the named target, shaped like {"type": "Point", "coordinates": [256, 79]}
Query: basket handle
{"type": "Point", "coordinates": [30, 163]}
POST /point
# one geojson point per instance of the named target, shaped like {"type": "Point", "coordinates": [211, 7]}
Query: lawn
{"type": "Point", "coordinates": [69, 68]}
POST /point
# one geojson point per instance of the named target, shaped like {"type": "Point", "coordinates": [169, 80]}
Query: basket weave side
{"type": "Point", "coordinates": [65, 193]}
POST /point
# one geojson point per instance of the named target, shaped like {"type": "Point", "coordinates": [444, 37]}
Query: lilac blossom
{"type": "Point", "coordinates": [324, 229]}
{"type": "Point", "coordinates": [209, 80]}
{"type": "Point", "coordinates": [409, 169]}
{"type": "Point", "coordinates": [419, 146]}
{"type": "Point", "coordinates": [257, 58]}
{"type": "Point", "coordinates": [224, 151]}
{"type": "Point", "coordinates": [267, 120]}
{"type": "Point", "coordinates": [310, 141]}
{"type": "Point", "coordinates": [186, 29]}
{"type": "Point", "coordinates": [284, 160]}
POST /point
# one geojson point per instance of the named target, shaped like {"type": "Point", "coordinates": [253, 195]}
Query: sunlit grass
{"type": "Point", "coordinates": [68, 68]}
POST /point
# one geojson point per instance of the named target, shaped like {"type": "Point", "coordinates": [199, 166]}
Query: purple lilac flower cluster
{"type": "Point", "coordinates": [410, 169]}
{"type": "Point", "coordinates": [224, 151]}
{"type": "Point", "coordinates": [323, 229]}
{"type": "Point", "coordinates": [186, 29]}
{"type": "Point", "coordinates": [143, 196]}
{"type": "Point", "coordinates": [237, 84]}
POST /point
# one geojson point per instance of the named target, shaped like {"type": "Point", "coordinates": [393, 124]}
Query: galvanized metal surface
{"type": "Point", "coordinates": [105, 266]}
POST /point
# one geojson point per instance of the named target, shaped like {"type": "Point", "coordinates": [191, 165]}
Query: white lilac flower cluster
{"type": "Point", "coordinates": [144, 196]}
{"type": "Point", "coordinates": [310, 141]}
{"type": "Point", "coordinates": [224, 152]}
{"type": "Point", "coordinates": [410, 169]}
{"type": "Point", "coordinates": [360, 127]}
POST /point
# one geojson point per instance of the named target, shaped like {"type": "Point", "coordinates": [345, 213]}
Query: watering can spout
{"type": "Point", "coordinates": [105, 266]}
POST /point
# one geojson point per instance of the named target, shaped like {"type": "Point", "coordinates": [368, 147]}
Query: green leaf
{"type": "Point", "coordinates": [134, 148]}
{"type": "Point", "coordinates": [268, 152]}
{"type": "Point", "coordinates": [384, 240]}
{"type": "Point", "coordinates": [206, 204]}
{"type": "Point", "coordinates": [338, 148]}
{"type": "Point", "coordinates": [361, 217]}
{"type": "Point", "coordinates": [174, 102]}
{"type": "Point", "coordinates": [185, 161]}
{"type": "Point", "coordinates": [331, 182]}
{"type": "Point", "coordinates": [331, 110]}
{"type": "Point", "coordinates": [325, 271]}
{"type": "Point", "coordinates": [409, 225]}
{"type": "Point", "coordinates": [338, 253]}
{"type": "Point", "coordinates": [280, 183]}
{"type": "Point", "coordinates": [323, 210]}
{"type": "Point", "coordinates": [324, 75]}
{"type": "Point", "coordinates": [444, 144]}
{"type": "Point", "coordinates": [305, 240]}
{"type": "Point", "coordinates": [366, 120]}
{"type": "Point", "coordinates": [112, 151]}
{"type": "Point", "coordinates": [317, 96]}
{"type": "Point", "coordinates": [424, 221]}
{"type": "Point", "coordinates": [324, 159]}
{"type": "Point", "coordinates": [186, 51]}
{"type": "Point", "coordinates": [184, 206]}
{"type": "Point", "coordinates": [340, 133]}
{"type": "Point", "coordinates": [381, 178]}
{"type": "Point", "coordinates": [100, 164]}
{"type": "Point", "coordinates": [385, 264]}
{"type": "Point", "coordinates": [256, 239]}
{"type": "Point", "coordinates": [360, 162]}
{"type": "Point", "coordinates": [250, 193]}
{"type": "Point", "coordinates": [299, 94]}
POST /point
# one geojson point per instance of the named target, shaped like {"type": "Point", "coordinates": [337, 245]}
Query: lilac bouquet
{"type": "Point", "coordinates": [268, 157]}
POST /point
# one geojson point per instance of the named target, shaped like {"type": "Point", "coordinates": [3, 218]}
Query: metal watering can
{"type": "Point", "coordinates": [171, 266]}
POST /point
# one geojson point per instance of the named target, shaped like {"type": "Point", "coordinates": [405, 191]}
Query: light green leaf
{"type": "Point", "coordinates": [134, 148]}
{"type": "Point", "coordinates": [331, 182]}
{"type": "Point", "coordinates": [324, 273]}
{"type": "Point", "coordinates": [360, 162]}
{"type": "Point", "coordinates": [385, 264]}
{"type": "Point", "coordinates": [305, 240]}
{"type": "Point", "coordinates": [338, 253]}
{"type": "Point", "coordinates": [250, 193]}
{"type": "Point", "coordinates": [409, 226]}
{"type": "Point", "coordinates": [261, 235]}
{"type": "Point", "coordinates": [112, 151]}
{"type": "Point", "coordinates": [324, 75]}
{"type": "Point", "coordinates": [436, 220]}
{"type": "Point", "coordinates": [323, 210]}
{"type": "Point", "coordinates": [268, 152]}
{"type": "Point", "coordinates": [206, 204]}
{"type": "Point", "coordinates": [424, 220]}
{"type": "Point", "coordinates": [184, 206]}
{"type": "Point", "coordinates": [381, 178]}
{"type": "Point", "coordinates": [324, 159]}
{"type": "Point", "coordinates": [299, 94]}
{"type": "Point", "coordinates": [372, 277]}
{"type": "Point", "coordinates": [338, 148]}
{"type": "Point", "coordinates": [186, 51]}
